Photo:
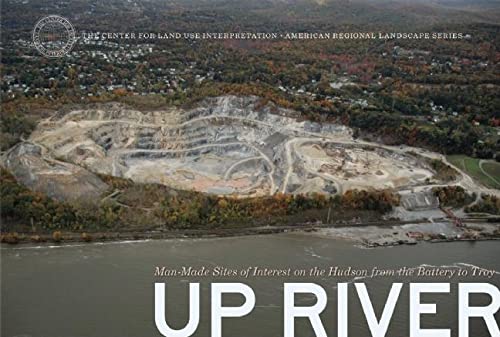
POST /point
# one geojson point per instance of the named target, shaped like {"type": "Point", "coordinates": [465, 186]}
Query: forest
{"type": "Point", "coordinates": [158, 207]}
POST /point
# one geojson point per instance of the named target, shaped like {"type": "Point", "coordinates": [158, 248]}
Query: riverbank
{"type": "Point", "coordinates": [369, 234]}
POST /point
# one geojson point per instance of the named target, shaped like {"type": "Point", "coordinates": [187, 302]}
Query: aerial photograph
{"type": "Point", "coordinates": [168, 164]}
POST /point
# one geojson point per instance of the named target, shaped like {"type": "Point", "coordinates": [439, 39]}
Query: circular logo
{"type": "Point", "coordinates": [54, 36]}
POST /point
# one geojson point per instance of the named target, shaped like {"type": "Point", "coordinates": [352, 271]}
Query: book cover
{"type": "Point", "coordinates": [260, 168]}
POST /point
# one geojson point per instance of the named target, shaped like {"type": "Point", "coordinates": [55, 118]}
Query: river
{"type": "Point", "coordinates": [106, 290]}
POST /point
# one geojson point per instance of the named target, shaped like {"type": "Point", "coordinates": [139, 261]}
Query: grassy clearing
{"type": "Point", "coordinates": [493, 169]}
{"type": "Point", "coordinates": [471, 167]}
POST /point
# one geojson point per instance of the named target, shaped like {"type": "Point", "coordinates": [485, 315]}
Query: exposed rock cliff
{"type": "Point", "coordinates": [225, 145]}
{"type": "Point", "coordinates": [64, 181]}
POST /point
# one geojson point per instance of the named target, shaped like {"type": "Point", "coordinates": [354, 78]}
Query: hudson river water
{"type": "Point", "coordinates": [106, 290]}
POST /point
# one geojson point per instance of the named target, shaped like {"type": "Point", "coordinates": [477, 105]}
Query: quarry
{"type": "Point", "coordinates": [239, 147]}
{"type": "Point", "coordinates": [225, 145]}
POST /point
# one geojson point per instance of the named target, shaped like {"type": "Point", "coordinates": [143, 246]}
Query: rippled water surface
{"type": "Point", "coordinates": [107, 289]}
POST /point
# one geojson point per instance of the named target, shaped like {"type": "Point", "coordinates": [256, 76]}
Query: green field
{"type": "Point", "coordinates": [488, 174]}
{"type": "Point", "coordinates": [493, 169]}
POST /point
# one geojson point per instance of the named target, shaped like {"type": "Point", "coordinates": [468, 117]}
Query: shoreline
{"type": "Point", "coordinates": [370, 234]}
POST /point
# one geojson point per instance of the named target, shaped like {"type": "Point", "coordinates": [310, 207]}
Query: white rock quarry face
{"type": "Point", "coordinates": [226, 145]}
{"type": "Point", "coordinates": [64, 181]}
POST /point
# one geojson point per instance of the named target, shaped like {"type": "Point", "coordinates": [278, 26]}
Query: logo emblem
{"type": "Point", "coordinates": [54, 36]}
